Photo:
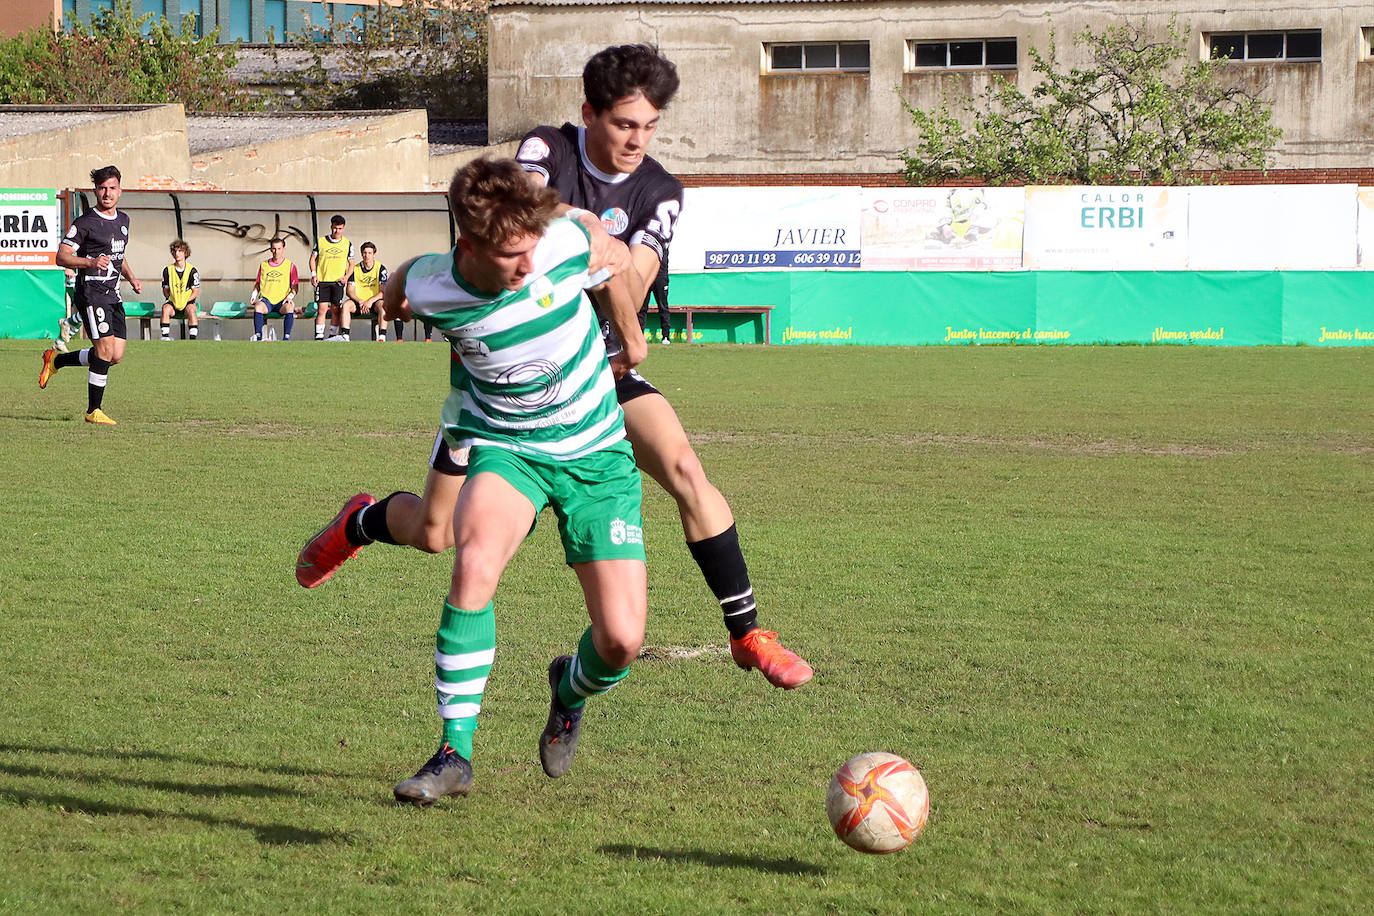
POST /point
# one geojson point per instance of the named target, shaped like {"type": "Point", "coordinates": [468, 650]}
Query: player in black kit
{"type": "Point", "coordinates": [599, 168]}
{"type": "Point", "coordinates": [602, 167]}
{"type": "Point", "coordinates": [95, 247]}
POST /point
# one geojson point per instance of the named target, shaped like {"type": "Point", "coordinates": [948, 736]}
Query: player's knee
{"type": "Point", "coordinates": [476, 571]}
{"type": "Point", "coordinates": [685, 474]}
{"type": "Point", "coordinates": [620, 646]}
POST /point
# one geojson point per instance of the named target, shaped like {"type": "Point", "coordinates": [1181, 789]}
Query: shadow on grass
{"type": "Point", "coordinates": [202, 790]}
{"type": "Point", "coordinates": [271, 834]}
{"type": "Point", "coordinates": [713, 859]}
{"type": "Point", "coordinates": [193, 759]}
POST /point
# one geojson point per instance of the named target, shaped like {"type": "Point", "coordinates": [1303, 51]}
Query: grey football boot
{"type": "Point", "coordinates": [558, 743]}
{"type": "Point", "coordinates": [446, 773]}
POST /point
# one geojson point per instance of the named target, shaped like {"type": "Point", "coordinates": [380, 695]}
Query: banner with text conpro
{"type": "Point", "coordinates": [1102, 228]}
{"type": "Point", "coordinates": [767, 229]}
{"type": "Point", "coordinates": [943, 228]}
{"type": "Point", "coordinates": [31, 285]}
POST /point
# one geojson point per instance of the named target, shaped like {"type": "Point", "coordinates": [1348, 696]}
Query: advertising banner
{"type": "Point", "coordinates": [942, 228]}
{"type": "Point", "coordinates": [29, 227]}
{"type": "Point", "coordinates": [1273, 227]}
{"type": "Point", "coordinates": [767, 229]}
{"type": "Point", "coordinates": [1103, 228]}
{"type": "Point", "coordinates": [1364, 222]}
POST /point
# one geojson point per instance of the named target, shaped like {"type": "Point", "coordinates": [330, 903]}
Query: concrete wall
{"type": "Point", "coordinates": [147, 143]}
{"type": "Point", "coordinates": [383, 151]}
{"type": "Point", "coordinates": [732, 117]}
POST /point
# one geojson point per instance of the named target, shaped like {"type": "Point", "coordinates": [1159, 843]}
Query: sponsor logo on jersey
{"type": "Point", "coordinates": [533, 150]}
{"type": "Point", "coordinates": [541, 291]}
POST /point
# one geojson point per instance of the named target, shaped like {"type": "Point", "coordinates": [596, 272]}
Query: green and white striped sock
{"type": "Point", "coordinates": [464, 649]}
{"type": "Point", "coordinates": [587, 675]}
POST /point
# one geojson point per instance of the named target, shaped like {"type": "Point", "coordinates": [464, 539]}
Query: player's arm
{"type": "Point", "coordinates": [128, 273]}
{"type": "Point", "coordinates": [622, 311]}
{"type": "Point", "coordinates": [256, 294]}
{"type": "Point", "coordinates": [394, 301]}
{"type": "Point", "coordinates": [314, 257]}
{"type": "Point", "coordinates": [67, 256]}
{"type": "Point", "coordinates": [195, 286]}
{"type": "Point", "coordinates": [295, 283]}
{"type": "Point", "coordinates": [167, 283]}
{"type": "Point", "coordinates": [607, 251]}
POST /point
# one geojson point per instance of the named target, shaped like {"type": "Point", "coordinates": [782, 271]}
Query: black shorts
{"type": "Point", "coordinates": [331, 292]}
{"type": "Point", "coordinates": [450, 461]}
{"type": "Point", "coordinates": [632, 385]}
{"type": "Point", "coordinates": [181, 312]}
{"type": "Point", "coordinates": [102, 315]}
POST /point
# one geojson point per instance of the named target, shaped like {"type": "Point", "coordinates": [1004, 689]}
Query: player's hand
{"type": "Point", "coordinates": [138, 287]}
{"type": "Point", "coordinates": [102, 262]}
{"type": "Point", "coordinates": [620, 365]}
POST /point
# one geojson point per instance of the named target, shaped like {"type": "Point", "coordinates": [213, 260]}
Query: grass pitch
{"type": "Point", "coordinates": [1114, 602]}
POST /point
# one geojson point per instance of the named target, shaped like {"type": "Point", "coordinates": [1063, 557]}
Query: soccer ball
{"type": "Point", "coordinates": [877, 802]}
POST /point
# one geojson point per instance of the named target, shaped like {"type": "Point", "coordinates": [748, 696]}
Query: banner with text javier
{"type": "Point", "coordinates": [942, 228]}
{"type": "Point", "coordinates": [767, 229]}
{"type": "Point", "coordinates": [30, 228]}
{"type": "Point", "coordinates": [1100, 228]}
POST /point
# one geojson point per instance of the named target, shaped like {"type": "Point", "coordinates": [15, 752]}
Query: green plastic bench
{"type": "Point", "coordinates": [225, 311]}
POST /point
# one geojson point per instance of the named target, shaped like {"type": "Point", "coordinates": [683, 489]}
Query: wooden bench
{"type": "Point", "coordinates": [689, 310]}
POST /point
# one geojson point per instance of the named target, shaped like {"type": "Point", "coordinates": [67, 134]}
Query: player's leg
{"type": "Point", "coordinates": [107, 350]}
{"type": "Point", "coordinates": [288, 318]}
{"type": "Point", "coordinates": [490, 521]}
{"type": "Point", "coordinates": [423, 522]}
{"type": "Point", "coordinates": [663, 452]}
{"type": "Point", "coordinates": [346, 312]}
{"type": "Point", "coordinates": [602, 532]}
{"type": "Point", "coordinates": [165, 324]}
{"type": "Point", "coordinates": [260, 319]}
{"type": "Point", "coordinates": [192, 321]}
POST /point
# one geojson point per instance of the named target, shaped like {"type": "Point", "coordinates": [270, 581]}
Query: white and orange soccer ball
{"type": "Point", "coordinates": [877, 802]}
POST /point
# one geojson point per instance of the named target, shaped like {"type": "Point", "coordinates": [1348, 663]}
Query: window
{"type": "Point", "coordinates": [996, 53]}
{"type": "Point", "coordinates": [1298, 45]}
{"type": "Point", "coordinates": [830, 56]}
{"type": "Point", "coordinates": [240, 28]}
{"type": "Point", "coordinates": [1367, 46]}
{"type": "Point", "coordinates": [274, 16]}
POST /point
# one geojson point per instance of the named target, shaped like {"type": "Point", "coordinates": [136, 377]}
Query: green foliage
{"type": "Point", "coordinates": [1115, 602]}
{"type": "Point", "coordinates": [1136, 114]}
{"type": "Point", "coordinates": [122, 59]}
{"type": "Point", "coordinates": [409, 56]}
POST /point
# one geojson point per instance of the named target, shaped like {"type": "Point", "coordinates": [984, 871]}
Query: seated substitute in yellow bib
{"type": "Point", "coordinates": [180, 290]}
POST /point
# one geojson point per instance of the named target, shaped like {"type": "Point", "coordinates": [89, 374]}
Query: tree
{"type": "Point", "coordinates": [414, 55]}
{"type": "Point", "coordinates": [1136, 114]}
{"type": "Point", "coordinates": [121, 60]}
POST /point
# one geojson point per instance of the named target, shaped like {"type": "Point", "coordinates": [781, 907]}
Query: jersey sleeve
{"type": "Point", "coordinates": [295, 277]}
{"type": "Point", "coordinates": [382, 275]}
{"type": "Point", "coordinates": [658, 213]}
{"type": "Point", "coordinates": [76, 234]}
{"type": "Point", "coordinates": [544, 151]}
{"type": "Point", "coordinates": [167, 277]}
{"type": "Point", "coordinates": [195, 278]}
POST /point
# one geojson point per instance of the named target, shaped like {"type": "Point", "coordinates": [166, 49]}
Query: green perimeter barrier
{"type": "Point", "coordinates": [31, 302]}
{"type": "Point", "coordinates": [1217, 308]}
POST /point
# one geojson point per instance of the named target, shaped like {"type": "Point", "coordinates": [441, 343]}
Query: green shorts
{"type": "Point", "coordinates": [596, 497]}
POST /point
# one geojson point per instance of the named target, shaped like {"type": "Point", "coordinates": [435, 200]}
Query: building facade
{"type": "Point", "coordinates": [248, 21]}
{"type": "Point", "coordinates": [813, 85]}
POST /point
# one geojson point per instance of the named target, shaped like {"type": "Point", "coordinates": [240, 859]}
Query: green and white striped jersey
{"type": "Point", "coordinates": [529, 369]}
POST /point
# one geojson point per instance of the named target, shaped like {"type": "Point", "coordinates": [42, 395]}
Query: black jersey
{"type": "Point", "coordinates": [639, 208]}
{"type": "Point", "coordinates": [92, 235]}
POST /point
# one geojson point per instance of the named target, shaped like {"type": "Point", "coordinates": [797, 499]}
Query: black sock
{"type": "Point", "coordinates": [166, 330]}
{"type": "Point", "coordinates": [95, 387]}
{"type": "Point", "coordinates": [65, 360]}
{"type": "Point", "coordinates": [369, 524]}
{"type": "Point", "coordinates": [722, 563]}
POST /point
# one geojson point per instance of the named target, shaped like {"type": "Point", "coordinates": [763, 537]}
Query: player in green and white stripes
{"type": "Point", "coordinates": [533, 396]}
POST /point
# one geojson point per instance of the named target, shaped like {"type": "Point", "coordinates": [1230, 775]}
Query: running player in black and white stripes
{"type": "Point", "coordinates": [95, 247]}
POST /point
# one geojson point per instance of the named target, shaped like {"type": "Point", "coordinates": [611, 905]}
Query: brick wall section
{"type": "Point", "coordinates": [1362, 176]}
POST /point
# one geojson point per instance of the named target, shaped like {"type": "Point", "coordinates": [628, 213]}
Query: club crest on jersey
{"type": "Point", "coordinates": [541, 291]}
{"type": "Point", "coordinates": [615, 220]}
{"type": "Point", "coordinates": [533, 149]}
